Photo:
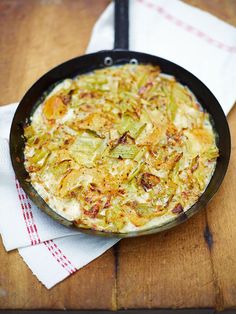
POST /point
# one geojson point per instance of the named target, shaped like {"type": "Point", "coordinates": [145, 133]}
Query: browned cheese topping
{"type": "Point", "coordinates": [120, 149]}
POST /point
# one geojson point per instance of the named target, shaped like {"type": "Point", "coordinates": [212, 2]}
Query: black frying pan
{"type": "Point", "coordinates": [119, 55]}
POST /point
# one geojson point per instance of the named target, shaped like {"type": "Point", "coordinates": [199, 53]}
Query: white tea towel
{"type": "Point", "coordinates": [171, 29]}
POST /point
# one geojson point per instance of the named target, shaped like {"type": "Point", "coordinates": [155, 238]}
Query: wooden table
{"type": "Point", "coordinates": [172, 269]}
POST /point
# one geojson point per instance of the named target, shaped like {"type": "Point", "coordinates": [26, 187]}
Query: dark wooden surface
{"type": "Point", "coordinates": [173, 269]}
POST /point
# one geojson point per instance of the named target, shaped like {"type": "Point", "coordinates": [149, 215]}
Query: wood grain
{"type": "Point", "coordinates": [19, 289]}
{"type": "Point", "coordinates": [171, 268]}
{"type": "Point", "coordinates": [177, 268]}
{"type": "Point", "coordinates": [221, 220]}
{"type": "Point", "coordinates": [38, 35]}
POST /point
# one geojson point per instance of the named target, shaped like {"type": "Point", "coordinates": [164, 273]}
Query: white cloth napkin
{"type": "Point", "coordinates": [171, 29]}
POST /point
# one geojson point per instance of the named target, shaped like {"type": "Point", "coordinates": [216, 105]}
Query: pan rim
{"type": "Point", "coordinates": [201, 202]}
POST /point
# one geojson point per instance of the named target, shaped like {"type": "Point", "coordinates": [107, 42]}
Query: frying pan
{"type": "Point", "coordinates": [119, 55]}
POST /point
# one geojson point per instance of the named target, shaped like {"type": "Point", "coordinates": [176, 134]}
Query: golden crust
{"type": "Point", "coordinates": [120, 149]}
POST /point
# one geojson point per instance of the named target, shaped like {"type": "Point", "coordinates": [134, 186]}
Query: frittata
{"type": "Point", "coordinates": [120, 149]}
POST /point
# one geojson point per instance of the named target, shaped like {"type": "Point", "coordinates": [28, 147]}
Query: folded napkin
{"type": "Point", "coordinates": [171, 29]}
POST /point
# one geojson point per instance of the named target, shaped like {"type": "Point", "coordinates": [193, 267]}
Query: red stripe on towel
{"type": "Point", "coordinates": [73, 268]}
{"type": "Point", "coordinates": [60, 257]}
{"type": "Point", "coordinates": [27, 215]}
{"type": "Point", "coordinates": [32, 230]}
{"type": "Point", "coordinates": [187, 27]}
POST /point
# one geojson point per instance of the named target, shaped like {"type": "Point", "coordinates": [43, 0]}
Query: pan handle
{"type": "Point", "coordinates": [121, 24]}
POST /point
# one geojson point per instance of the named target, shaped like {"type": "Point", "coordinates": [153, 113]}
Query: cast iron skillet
{"type": "Point", "coordinates": [119, 55]}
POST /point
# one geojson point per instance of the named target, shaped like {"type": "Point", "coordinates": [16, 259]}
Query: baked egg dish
{"type": "Point", "coordinates": [120, 149]}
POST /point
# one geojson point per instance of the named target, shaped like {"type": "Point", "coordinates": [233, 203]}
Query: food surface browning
{"type": "Point", "coordinates": [120, 149]}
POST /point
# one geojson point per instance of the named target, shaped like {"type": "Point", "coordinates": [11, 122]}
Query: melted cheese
{"type": "Point", "coordinates": [128, 149]}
